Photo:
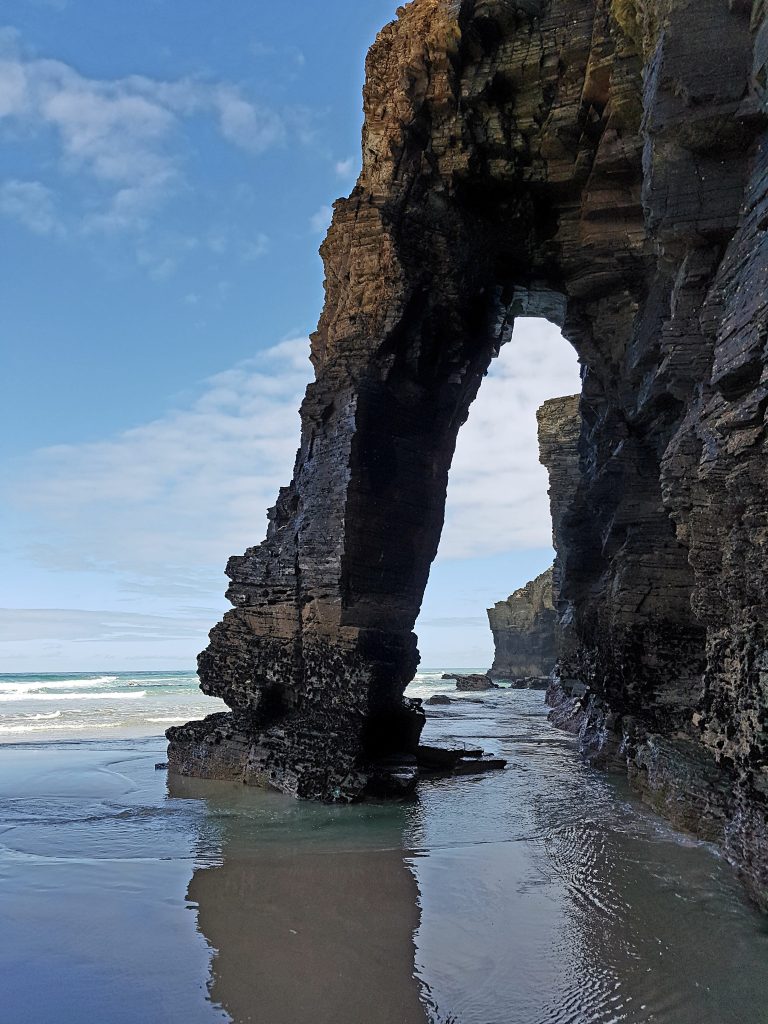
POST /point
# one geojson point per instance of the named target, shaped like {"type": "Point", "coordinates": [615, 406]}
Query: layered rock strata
{"type": "Point", "coordinates": [526, 627]}
{"type": "Point", "coordinates": [524, 632]}
{"type": "Point", "coordinates": [476, 681]}
{"type": "Point", "coordinates": [603, 163]}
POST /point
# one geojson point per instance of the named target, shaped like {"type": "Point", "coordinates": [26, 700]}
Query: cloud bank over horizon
{"type": "Point", "coordinates": [155, 511]}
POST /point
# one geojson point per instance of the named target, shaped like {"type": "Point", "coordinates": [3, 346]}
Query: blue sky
{"type": "Point", "coordinates": [166, 176]}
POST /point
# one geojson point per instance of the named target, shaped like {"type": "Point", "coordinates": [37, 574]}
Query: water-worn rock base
{"type": "Point", "coordinates": [674, 776]}
{"type": "Point", "coordinates": [603, 163]}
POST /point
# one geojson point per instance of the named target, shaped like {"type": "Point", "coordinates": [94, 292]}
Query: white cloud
{"type": "Point", "coordinates": [123, 134]}
{"type": "Point", "coordinates": [182, 492]}
{"type": "Point", "coordinates": [321, 220]}
{"type": "Point", "coordinates": [244, 124]}
{"type": "Point", "coordinates": [159, 267]}
{"type": "Point", "coordinates": [163, 505]}
{"type": "Point", "coordinates": [32, 204]}
{"type": "Point", "coordinates": [256, 248]}
{"type": "Point", "coordinates": [33, 625]}
{"type": "Point", "coordinates": [497, 491]}
{"type": "Point", "coordinates": [345, 168]}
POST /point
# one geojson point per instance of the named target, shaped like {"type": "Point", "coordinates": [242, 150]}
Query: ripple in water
{"type": "Point", "coordinates": [551, 896]}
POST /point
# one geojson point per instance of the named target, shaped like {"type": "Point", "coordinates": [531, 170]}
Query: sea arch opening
{"type": "Point", "coordinates": [493, 185]}
{"type": "Point", "coordinates": [498, 532]}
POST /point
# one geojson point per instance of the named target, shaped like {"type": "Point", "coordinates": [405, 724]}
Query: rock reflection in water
{"type": "Point", "coordinates": [310, 912]}
{"type": "Point", "coordinates": [551, 896]}
{"type": "Point", "coordinates": [545, 894]}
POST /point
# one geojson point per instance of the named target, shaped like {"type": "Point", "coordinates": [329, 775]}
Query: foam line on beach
{"type": "Point", "coordinates": [19, 730]}
{"type": "Point", "coordinates": [7, 698]}
{"type": "Point", "coordinates": [54, 684]}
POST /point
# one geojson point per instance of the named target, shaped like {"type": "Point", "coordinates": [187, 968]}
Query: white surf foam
{"type": "Point", "coordinates": [35, 685]}
{"type": "Point", "coordinates": [64, 727]}
{"type": "Point", "coordinates": [7, 698]}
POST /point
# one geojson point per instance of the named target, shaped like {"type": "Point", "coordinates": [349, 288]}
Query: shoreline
{"type": "Point", "coordinates": [512, 898]}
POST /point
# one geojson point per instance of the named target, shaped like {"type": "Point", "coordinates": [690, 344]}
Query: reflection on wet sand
{"type": "Point", "coordinates": [559, 899]}
{"type": "Point", "coordinates": [546, 895]}
{"type": "Point", "coordinates": [541, 895]}
{"type": "Point", "coordinates": [307, 928]}
{"type": "Point", "coordinates": [654, 927]}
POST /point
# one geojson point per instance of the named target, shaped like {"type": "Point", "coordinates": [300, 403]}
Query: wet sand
{"type": "Point", "coordinates": [310, 913]}
{"type": "Point", "coordinates": [126, 901]}
{"type": "Point", "coordinates": [304, 938]}
{"type": "Point", "coordinates": [541, 895]}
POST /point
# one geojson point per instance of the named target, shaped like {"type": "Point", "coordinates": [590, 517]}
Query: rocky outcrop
{"type": "Point", "coordinates": [526, 631]}
{"type": "Point", "coordinates": [476, 681]}
{"type": "Point", "coordinates": [560, 425]}
{"type": "Point", "coordinates": [461, 761]}
{"type": "Point", "coordinates": [523, 630]}
{"type": "Point", "coordinates": [586, 160]}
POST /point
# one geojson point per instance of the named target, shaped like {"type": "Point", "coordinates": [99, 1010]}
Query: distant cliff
{"type": "Point", "coordinates": [525, 626]}
{"type": "Point", "coordinates": [523, 630]}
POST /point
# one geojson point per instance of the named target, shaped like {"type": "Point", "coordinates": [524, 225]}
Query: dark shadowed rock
{"type": "Point", "coordinates": [473, 682]}
{"type": "Point", "coordinates": [439, 698]}
{"type": "Point", "coordinates": [457, 761]}
{"type": "Point", "coordinates": [594, 162]}
{"type": "Point", "coordinates": [530, 683]}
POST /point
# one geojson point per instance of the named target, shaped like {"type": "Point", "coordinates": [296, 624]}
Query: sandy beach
{"type": "Point", "coordinates": [541, 895]}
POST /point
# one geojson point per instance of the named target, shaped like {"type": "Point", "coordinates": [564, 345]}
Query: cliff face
{"type": "Point", "coordinates": [591, 161]}
{"type": "Point", "coordinates": [523, 630]}
{"type": "Point", "coordinates": [526, 628]}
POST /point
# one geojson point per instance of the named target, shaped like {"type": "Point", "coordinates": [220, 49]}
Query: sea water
{"type": "Point", "coordinates": [85, 705]}
{"type": "Point", "coordinates": [82, 705]}
{"type": "Point", "coordinates": [543, 894]}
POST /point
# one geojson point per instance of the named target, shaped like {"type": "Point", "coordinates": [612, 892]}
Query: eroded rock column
{"type": "Point", "coordinates": [586, 159]}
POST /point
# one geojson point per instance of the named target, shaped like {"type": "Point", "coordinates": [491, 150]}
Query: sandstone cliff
{"type": "Point", "coordinates": [523, 630]}
{"type": "Point", "coordinates": [603, 163]}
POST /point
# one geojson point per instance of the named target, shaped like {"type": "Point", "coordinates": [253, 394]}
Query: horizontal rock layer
{"type": "Point", "coordinates": [523, 630]}
{"type": "Point", "coordinates": [603, 163]}
{"type": "Point", "coordinates": [525, 627]}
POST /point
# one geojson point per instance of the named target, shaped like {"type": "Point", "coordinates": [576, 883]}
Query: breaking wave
{"type": "Point", "coordinates": [7, 698]}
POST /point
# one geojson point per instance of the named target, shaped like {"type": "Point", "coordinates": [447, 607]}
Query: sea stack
{"type": "Point", "coordinates": [590, 162]}
{"type": "Point", "coordinates": [526, 627]}
{"type": "Point", "coordinates": [524, 632]}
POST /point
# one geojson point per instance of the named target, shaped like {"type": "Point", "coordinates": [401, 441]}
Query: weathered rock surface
{"type": "Point", "coordinates": [603, 163]}
{"type": "Point", "coordinates": [477, 681]}
{"type": "Point", "coordinates": [456, 761]}
{"type": "Point", "coordinates": [567, 711]}
{"type": "Point", "coordinates": [527, 634]}
{"type": "Point", "coordinates": [524, 631]}
{"type": "Point", "coordinates": [530, 683]}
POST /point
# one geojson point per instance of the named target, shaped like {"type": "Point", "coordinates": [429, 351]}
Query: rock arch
{"type": "Point", "coordinates": [580, 159]}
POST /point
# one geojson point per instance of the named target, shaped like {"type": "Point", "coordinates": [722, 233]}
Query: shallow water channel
{"type": "Point", "coordinates": [544, 894]}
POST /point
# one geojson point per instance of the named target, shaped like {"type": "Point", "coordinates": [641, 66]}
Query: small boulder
{"type": "Point", "coordinates": [473, 682]}
{"type": "Point", "coordinates": [455, 761]}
